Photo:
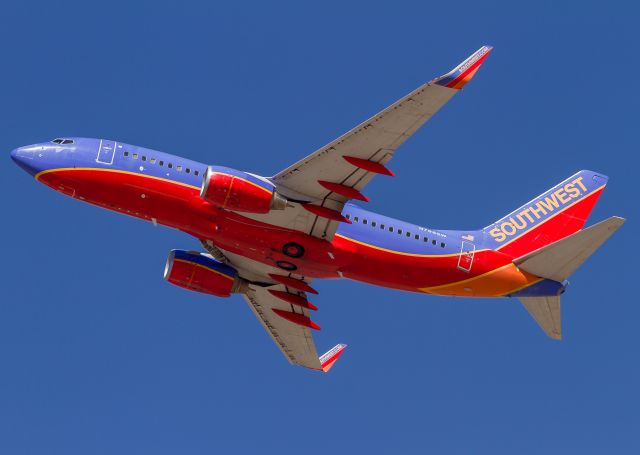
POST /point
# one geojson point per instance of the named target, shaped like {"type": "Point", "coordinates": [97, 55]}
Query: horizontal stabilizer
{"type": "Point", "coordinates": [558, 260]}
{"type": "Point", "coordinates": [546, 312]}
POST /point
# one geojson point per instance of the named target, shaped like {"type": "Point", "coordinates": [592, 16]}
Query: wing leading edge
{"type": "Point", "coordinates": [285, 315]}
{"type": "Point", "coordinates": [339, 171]}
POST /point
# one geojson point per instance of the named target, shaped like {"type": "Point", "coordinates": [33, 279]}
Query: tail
{"type": "Point", "coordinates": [545, 239]}
{"type": "Point", "coordinates": [556, 262]}
{"type": "Point", "coordinates": [559, 212]}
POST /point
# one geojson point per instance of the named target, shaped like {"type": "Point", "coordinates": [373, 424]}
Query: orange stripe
{"type": "Point", "coordinates": [402, 253]}
{"type": "Point", "coordinates": [494, 283]}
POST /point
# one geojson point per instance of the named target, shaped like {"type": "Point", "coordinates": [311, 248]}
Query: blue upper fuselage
{"type": "Point", "coordinates": [367, 227]}
{"type": "Point", "coordinates": [395, 235]}
{"type": "Point", "coordinates": [106, 154]}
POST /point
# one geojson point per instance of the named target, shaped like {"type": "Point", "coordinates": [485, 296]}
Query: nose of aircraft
{"type": "Point", "coordinates": [25, 158]}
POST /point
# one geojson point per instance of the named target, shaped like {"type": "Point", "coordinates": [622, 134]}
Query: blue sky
{"type": "Point", "coordinates": [99, 355]}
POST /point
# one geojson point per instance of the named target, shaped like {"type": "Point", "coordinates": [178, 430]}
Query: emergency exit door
{"type": "Point", "coordinates": [106, 151]}
{"type": "Point", "coordinates": [467, 252]}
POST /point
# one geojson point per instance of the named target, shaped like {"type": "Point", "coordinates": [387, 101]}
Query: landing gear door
{"type": "Point", "coordinates": [467, 252]}
{"type": "Point", "coordinates": [106, 151]}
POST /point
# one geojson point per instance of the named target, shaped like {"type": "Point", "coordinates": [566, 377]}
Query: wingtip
{"type": "Point", "coordinates": [329, 358]}
{"type": "Point", "coordinates": [464, 72]}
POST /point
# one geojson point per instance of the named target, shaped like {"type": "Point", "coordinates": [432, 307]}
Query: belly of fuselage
{"type": "Point", "coordinates": [492, 273]}
{"type": "Point", "coordinates": [179, 206]}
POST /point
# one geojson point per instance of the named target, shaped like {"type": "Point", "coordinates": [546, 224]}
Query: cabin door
{"type": "Point", "coordinates": [467, 252]}
{"type": "Point", "coordinates": [106, 151]}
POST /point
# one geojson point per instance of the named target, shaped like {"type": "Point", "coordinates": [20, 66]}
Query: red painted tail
{"type": "Point", "coordinates": [559, 212]}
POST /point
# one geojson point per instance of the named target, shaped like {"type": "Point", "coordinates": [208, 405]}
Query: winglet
{"type": "Point", "coordinates": [461, 74]}
{"type": "Point", "coordinates": [329, 358]}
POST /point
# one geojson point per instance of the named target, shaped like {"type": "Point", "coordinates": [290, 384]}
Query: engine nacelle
{"type": "Point", "coordinates": [201, 273]}
{"type": "Point", "coordinates": [239, 191]}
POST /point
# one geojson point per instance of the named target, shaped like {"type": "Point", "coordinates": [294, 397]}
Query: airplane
{"type": "Point", "coordinates": [268, 238]}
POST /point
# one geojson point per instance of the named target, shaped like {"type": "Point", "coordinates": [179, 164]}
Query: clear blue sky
{"type": "Point", "coordinates": [99, 355]}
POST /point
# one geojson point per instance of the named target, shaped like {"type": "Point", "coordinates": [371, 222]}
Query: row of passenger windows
{"type": "Point", "coordinates": [179, 168]}
{"type": "Point", "coordinates": [397, 230]}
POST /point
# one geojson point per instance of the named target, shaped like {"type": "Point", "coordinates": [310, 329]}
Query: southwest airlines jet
{"type": "Point", "coordinates": [268, 238]}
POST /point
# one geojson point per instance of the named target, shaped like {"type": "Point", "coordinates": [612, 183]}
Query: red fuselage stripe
{"type": "Point", "coordinates": [179, 205]}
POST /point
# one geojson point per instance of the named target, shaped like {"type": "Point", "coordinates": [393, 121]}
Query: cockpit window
{"type": "Point", "coordinates": [62, 141]}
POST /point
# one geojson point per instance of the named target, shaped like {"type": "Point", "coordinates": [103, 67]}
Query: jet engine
{"type": "Point", "coordinates": [201, 273]}
{"type": "Point", "coordinates": [239, 191]}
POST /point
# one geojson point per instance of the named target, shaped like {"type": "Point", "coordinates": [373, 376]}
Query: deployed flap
{"type": "Point", "coordinates": [558, 260]}
{"type": "Point", "coordinates": [546, 312]}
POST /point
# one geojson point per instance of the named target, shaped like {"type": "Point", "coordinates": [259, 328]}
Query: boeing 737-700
{"type": "Point", "coordinates": [268, 238]}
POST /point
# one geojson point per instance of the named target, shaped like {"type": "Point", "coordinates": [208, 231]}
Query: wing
{"type": "Point", "coordinates": [281, 305]}
{"type": "Point", "coordinates": [292, 335]}
{"type": "Point", "coordinates": [338, 172]}
{"type": "Point", "coordinates": [289, 324]}
{"type": "Point", "coordinates": [279, 310]}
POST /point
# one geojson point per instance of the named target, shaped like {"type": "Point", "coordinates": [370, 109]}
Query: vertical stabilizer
{"type": "Point", "coordinates": [553, 215]}
{"type": "Point", "coordinates": [557, 261]}
{"type": "Point", "coordinates": [546, 312]}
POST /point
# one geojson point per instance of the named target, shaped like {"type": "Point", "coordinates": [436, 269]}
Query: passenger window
{"type": "Point", "coordinates": [441, 244]}
{"type": "Point", "coordinates": [179, 168]}
{"type": "Point", "coordinates": [347, 216]}
{"type": "Point", "coordinates": [355, 218]}
{"type": "Point", "coordinates": [382, 226]}
{"type": "Point", "coordinates": [373, 224]}
{"type": "Point", "coordinates": [144, 158]}
{"type": "Point", "coordinates": [126, 153]}
{"type": "Point", "coordinates": [170, 165]}
{"type": "Point", "coordinates": [135, 156]}
{"type": "Point", "coordinates": [390, 228]}
{"type": "Point", "coordinates": [196, 173]}
{"type": "Point", "coordinates": [417, 237]}
{"type": "Point", "coordinates": [399, 231]}
{"type": "Point", "coordinates": [364, 221]}
{"type": "Point", "coordinates": [161, 163]}
{"type": "Point", "coordinates": [424, 239]}
{"type": "Point", "coordinates": [152, 161]}
{"type": "Point", "coordinates": [408, 234]}
{"type": "Point", "coordinates": [433, 242]}
{"type": "Point", "coordinates": [188, 171]}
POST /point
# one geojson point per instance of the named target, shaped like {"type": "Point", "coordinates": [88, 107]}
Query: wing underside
{"type": "Point", "coordinates": [320, 184]}
{"type": "Point", "coordinates": [317, 187]}
{"type": "Point", "coordinates": [279, 301]}
{"type": "Point", "coordinates": [294, 340]}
